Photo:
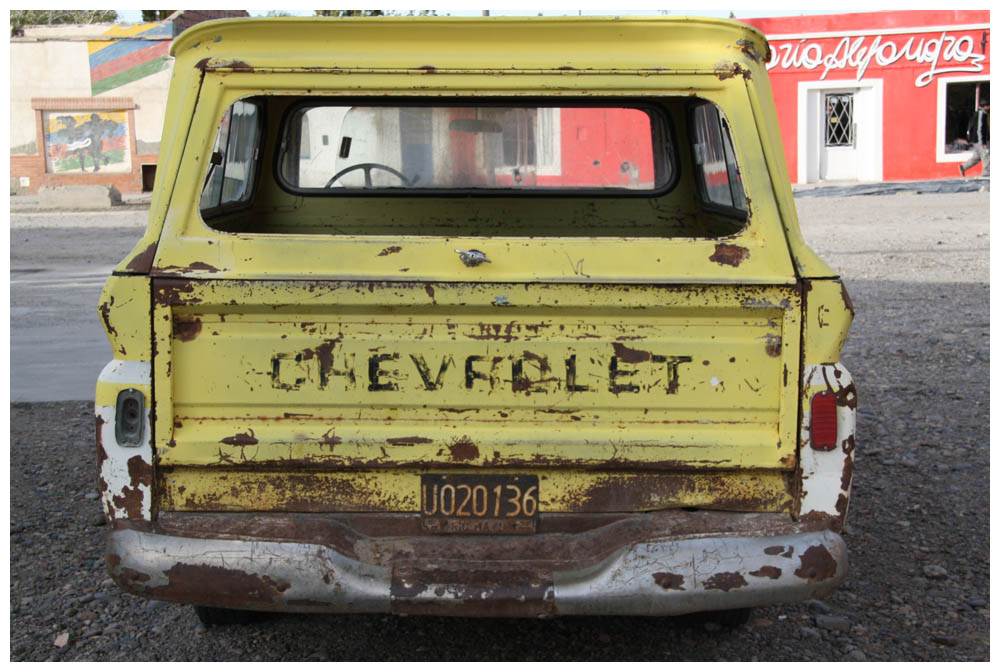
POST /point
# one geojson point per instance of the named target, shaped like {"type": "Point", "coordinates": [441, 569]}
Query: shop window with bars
{"type": "Point", "coordinates": [840, 120]}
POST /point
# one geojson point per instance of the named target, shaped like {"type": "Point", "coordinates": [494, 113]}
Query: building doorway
{"type": "Point", "coordinates": [839, 157]}
{"type": "Point", "coordinates": [840, 131]}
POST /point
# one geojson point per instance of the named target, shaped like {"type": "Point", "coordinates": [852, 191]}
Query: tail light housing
{"type": "Point", "coordinates": [823, 421]}
{"type": "Point", "coordinates": [130, 421]}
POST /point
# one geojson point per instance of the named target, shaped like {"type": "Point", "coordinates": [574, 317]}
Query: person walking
{"type": "Point", "coordinates": [978, 135]}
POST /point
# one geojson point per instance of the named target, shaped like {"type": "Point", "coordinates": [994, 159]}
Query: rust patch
{"type": "Point", "coordinates": [390, 250]}
{"type": "Point", "coordinates": [101, 453]}
{"type": "Point", "coordinates": [241, 439]}
{"type": "Point", "coordinates": [847, 474]}
{"type": "Point", "coordinates": [106, 317]}
{"type": "Point", "coordinates": [749, 50]}
{"type": "Point", "coordinates": [139, 471]}
{"type": "Point", "coordinates": [783, 551]}
{"type": "Point", "coordinates": [430, 290]}
{"type": "Point", "coordinates": [630, 356]}
{"type": "Point", "coordinates": [725, 581]}
{"type": "Point", "coordinates": [767, 572]}
{"type": "Point", "coordinates": [130, 501]}
{"type": "Point", "coordinates": [816, 564]}
{"type": "Point", "coordinates": [192, 267]}
{"type": "Point", "coordinates": [143, 262]}
{"type": "Point", "coordinates": [202, 266]}
{"type": "Point", "coordinates": [772, 345]}
{"type": "Point", "coordinates": [202, 65]}
{"type": "Point", "coordinates": [187, 330]}
{"type": "Point", "coordinates": [841, 506]}
{"type": "Point", "coordinates": [464, 449]}
{"type": "Point", "coordinates": [669, 581]}
{"type": "Point", "coordinates": [464, 591]}
{"type": "Point", "coordinates": [847, 299]}
{"type": "Point", "coordinates": [820, 520]}
{"type": "Point", "coordinates": [408, 440]}
{"type": "Point", "coordinates": [729, 255]}
{"type": "Point", "coordinates": [428, 69]}
{"type": "Point", "coordinates": [646, 490]}
{"type": "Point", "coordinates": [186, 583]}
{"type": "Point", "coordinates": [726, 71]}
{"type": "Point", "coordinates": [234, 65]}
{"type": "Point", "coordinates": [131, 576]}
{"type": "Point", "coordinates": [172, 293]}
{"type": "Point", "coordinates": [848, 396]}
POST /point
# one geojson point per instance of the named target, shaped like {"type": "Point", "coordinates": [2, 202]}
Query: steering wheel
{"type": "Point", "coordinates": [367, 167]}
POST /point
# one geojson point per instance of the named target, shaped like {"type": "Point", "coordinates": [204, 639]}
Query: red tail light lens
{"type": "Point", "coordinates": [823, 423]}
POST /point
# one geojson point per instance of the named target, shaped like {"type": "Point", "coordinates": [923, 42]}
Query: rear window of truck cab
{"type": "Point", "coordinates": [590, 168]}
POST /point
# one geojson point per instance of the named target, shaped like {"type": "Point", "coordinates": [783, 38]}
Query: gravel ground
{"type": "Point", "coordinates": [918, 532]}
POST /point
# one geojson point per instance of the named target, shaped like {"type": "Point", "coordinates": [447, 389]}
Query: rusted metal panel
{"type": "Point", "coordinates": [632, 566]}
{"type": "Point", "coordinates": [465, 591]}
{"type": "Point", "coordinates": [710, 573]}
{"type": "Point", "coordinates": [560, 490]}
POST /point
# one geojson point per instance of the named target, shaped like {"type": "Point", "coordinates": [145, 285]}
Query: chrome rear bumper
{"type": "Point", "coordinates": [648, 577]}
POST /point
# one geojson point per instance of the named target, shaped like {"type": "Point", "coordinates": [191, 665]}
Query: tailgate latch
{"type": "Point", "coordinates": [472, 257]}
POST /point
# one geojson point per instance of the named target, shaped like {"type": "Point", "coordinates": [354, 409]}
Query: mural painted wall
{"type": "Point", "coordinates": [86, 142]}
{"type": "Point", "coordinates": [114, 63]}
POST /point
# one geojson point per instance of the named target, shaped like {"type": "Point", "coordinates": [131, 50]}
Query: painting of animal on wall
{"type": "Point", "coordinates": [86, 142]}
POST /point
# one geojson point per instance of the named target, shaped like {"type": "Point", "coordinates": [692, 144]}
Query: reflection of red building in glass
{"type": "Point", "coordinates": [879, 95]}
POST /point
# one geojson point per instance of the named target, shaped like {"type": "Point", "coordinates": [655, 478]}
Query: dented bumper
{"type": "Point", "coordinates": [537, 576]}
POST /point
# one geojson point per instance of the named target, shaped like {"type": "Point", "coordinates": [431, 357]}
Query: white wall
{"type": "Point", "coordinates": [43, 70]}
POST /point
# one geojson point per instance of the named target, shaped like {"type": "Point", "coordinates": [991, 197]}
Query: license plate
{"type": "Point", "coordinates": [479, 504]}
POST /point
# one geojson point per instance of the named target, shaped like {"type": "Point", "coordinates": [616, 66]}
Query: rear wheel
{"type": "Point", "coordinates": [217, 616]}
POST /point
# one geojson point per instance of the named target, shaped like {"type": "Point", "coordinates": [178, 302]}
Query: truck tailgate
{"type": "Point", "coordinates": [322, 395]}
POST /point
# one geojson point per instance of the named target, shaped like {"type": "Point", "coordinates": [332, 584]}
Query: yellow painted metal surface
{"type": "Point", "coordinates": [259, 379]}
{"type": "Point", "coordinates": [828, 318]}
{"type": "Point", "coordinates": [124, 309]}
{"type": "Point", "coordinates": [311, 370]}
{"type": "Point", "coordinates": [222, 61]}
{"type": "Point", "coordinates": [367, 373]}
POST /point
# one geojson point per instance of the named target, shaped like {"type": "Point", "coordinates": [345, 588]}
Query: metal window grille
{"type": "Point", "coordinates": [840, 120]}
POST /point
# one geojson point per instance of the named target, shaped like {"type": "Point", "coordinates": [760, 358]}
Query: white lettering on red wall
{"type": "Point", "coordinates": [944, 54]}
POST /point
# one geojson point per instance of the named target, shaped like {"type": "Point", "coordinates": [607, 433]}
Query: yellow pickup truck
{"type": "Point", "coordinates": [493, 317]}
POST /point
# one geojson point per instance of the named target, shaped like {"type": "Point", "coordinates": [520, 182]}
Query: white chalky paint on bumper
{"type": "Point", "coordinates": [649, 578]}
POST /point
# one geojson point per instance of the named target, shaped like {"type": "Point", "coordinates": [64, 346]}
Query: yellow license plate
{"type": "Point", "coordinates": [479, 504]}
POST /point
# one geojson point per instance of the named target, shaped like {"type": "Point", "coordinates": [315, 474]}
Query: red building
{"type": "Point", "coordinates": [877, 96]}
